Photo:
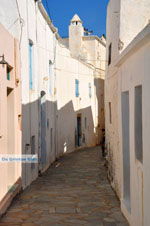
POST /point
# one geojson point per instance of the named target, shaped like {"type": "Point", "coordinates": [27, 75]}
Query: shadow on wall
{"type": "Point", "coordinates": [99, 87]}
{"type": "Point", "coordinates": [49, 133]}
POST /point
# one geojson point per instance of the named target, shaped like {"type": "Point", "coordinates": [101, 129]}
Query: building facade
{"type": "Point", "coordinates": [10, 117]}
{"type": "Point", "coordinates": [61, 104]}
{"type": "Point", "coordinates": [80, 75]}
{"type": "Point", "coordinates": [126, 107]}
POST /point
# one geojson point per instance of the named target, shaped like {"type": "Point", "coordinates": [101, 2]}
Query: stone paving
{"type": "Point", "coordinates": [73, 191]}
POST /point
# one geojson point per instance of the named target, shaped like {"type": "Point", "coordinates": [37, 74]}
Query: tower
{"type": "Point", "coordinates": [76, 32]}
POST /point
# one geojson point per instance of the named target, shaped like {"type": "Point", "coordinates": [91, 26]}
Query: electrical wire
{"type": "Point", "coordinates": [21, 23]}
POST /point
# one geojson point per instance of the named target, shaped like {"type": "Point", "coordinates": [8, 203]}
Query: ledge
{"type": "Point", "coordinates": [92, 37]}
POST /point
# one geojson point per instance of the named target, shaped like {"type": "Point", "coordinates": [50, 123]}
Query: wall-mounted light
{"type": "Point", "coordinates": [3, 61]}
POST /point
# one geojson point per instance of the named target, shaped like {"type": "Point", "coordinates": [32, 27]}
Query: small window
{"type": "Point", "coordinates": [50, 67]}
{"type": "Point", "coordinates": [90, 90]}
{"type": "Point", "coordinates": [138, 124]}
{"type": "Point", "coordinates": [77, 88]}
{"type": "Point", "coordinates": [9, 69]}
{"type": "Point", "coordinates": [85, 122]}
{"type": "Point", "coordinates": [109, 53]}
{"type": "Point", "coordinates": [110, 119]}
{"type": "Point", "coordinates": [33, 150]}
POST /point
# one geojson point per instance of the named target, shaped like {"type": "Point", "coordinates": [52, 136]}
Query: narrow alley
{"type": "Point", "coordinates": [73, 191]}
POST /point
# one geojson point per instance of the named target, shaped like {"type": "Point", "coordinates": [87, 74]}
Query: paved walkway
{"type": "Point", "coordinates": [73, 192]}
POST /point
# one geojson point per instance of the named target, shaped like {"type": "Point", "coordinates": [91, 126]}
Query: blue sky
{"type": "Point", "coordinates": [92, 13]}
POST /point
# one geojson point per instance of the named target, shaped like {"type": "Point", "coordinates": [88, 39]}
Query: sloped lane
{"type": "Point", "coordinates": [74, 191]}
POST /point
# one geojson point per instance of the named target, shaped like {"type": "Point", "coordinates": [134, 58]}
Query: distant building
{"type": "Point", "coordinates": [88, 48]}
{"type": "Point", "coordinates": [80, 72]}
{"type": "Point", "coordinates": [127, 109]}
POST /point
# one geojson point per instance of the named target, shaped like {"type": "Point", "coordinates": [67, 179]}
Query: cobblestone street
{"type": "Point", "coordinates": [73, 191]}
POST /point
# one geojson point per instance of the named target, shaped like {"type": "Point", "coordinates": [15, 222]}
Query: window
{"type": "Point", "coordinates": [50, 67]}
{"type": "Point", "coordinates": [138, 123]}
{"type": "Point", "coordinates": [9, 69]}
{"type": "Point", "coordinates": [110, 119]}
{"type": "Point", "coordinates": [32, 149]}
{"type": "Point", "coordinates": [77, 88]}
{"type": "Point", "coordinates": [90, 90]}
{"type": "Point", "coordinates": [85, 122]}
{"type": "Point", "coordinates": [30, 64]}
{"type": "Point", "coordinates": [109, 53]}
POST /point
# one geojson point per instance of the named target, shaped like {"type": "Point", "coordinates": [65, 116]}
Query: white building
{"type": "Point", "coordinates": [80, 89]}
{"type": "Point", "coordinates": [27, 21]}
{"type": "Point", "coordinates": [126, 106]}
{"type": "Point", "coordinates": [62, 94]}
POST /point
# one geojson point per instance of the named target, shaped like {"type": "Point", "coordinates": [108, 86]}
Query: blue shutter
{"type": "Point", "coordinates": [77, 88]}
{"type": "Point", "coordinates": [30, 65]}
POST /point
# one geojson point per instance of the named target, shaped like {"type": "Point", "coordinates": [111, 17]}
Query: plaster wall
{"type": "Point", "coordinates": [69, 106]}
{"type": "Point", "coordinates": [44, 41]}
{"type": "Point", "coordinates": [111, 96]}
{"type": "Point", "coordinates": [57, 81]}
{"type": "Point", "coordinates": [131, 73]}
{"type": "Point", "coordinates": [122, 27]}
{"type": "Point", "coordinates": [134, 16]}
{"type": "Point", "coordinates": [10, 113]}
{"type": "Point", "coordinates": [112, 31]}
{"type": "Point", "coordinates": [35, 28]}
{"type": "Point", "coordinates": [96, 52]}
{"type": "Point", "coordinates": [75, 38]}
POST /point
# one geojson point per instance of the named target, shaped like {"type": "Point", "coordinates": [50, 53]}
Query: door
{"type": "Point", "coordinates": [43, 130]}
{"type": "Point", "coordinates": [126, 149]}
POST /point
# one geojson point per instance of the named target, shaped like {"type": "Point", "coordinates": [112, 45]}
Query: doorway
{"type": "Point", "coordinates": [43, 129]}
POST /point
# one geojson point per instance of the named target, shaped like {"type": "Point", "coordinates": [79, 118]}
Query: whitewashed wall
{"type": "Point", "coordinates": [68, 105]}
{"type": "Point", "coordinates": [129, 68]}
{"type": "Point", "coordinates": [111, 96]}
{"type": "Point", "coordinates": [26, 22]}
{"type": "Point", "coordinates": [134, 16]}
{"type": "Point", "coordinates": [134, 71]}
